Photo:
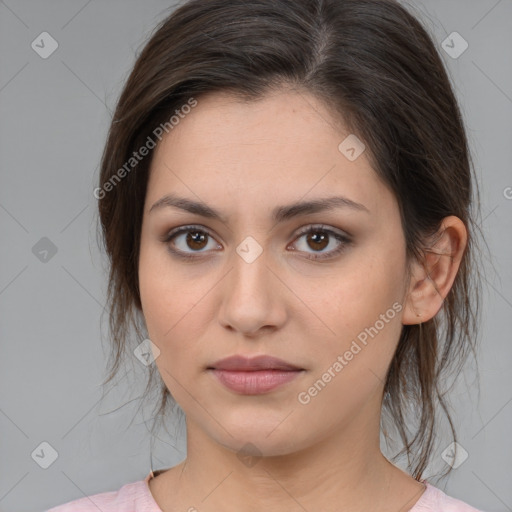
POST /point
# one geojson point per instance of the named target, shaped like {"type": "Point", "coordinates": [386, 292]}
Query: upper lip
{"type": "Point", "coordinates": [242, 363]}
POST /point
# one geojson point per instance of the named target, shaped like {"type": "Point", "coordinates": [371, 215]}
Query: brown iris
{"type": "Point", "coordinates": [318, 237]}
{"type": "Point", "coordinates": [196, 237]}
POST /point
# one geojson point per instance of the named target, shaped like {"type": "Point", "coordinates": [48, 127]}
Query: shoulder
{"type": "Point", "coordinates": [435, 500]}
{"type": "Point", "coordinates": [132, 497]}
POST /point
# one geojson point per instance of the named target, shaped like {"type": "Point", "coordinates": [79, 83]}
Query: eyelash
{"type": "Point", "coordinates": [343, 239]}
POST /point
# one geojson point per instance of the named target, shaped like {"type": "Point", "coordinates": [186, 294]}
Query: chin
{"type": "Point", "coordinates": [255, 441]}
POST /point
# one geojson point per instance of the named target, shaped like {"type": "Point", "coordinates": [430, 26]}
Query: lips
{"type": "Point", "coordinates": [254, 376]}
{"type": "Point", "coordinates": [258, 363]}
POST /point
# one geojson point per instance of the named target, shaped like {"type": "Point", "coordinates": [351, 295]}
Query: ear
{"type": "Point", "coordinates": [432, 279]}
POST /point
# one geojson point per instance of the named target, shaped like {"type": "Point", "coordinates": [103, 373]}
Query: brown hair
{"type": "Point", "coordinates": [375, 66]}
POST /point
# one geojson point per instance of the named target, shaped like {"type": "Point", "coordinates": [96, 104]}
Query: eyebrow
{"type": "Point", "coordinates": [279, 214]}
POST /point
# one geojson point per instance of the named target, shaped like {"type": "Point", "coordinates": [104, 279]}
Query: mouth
{"type": "Point", "coordinates": [258, 363]}
{"type": "Point", "coordinates": [254, 376]}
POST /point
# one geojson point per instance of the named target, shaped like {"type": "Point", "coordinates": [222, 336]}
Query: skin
{"type": "Point", "coordinates": [245, 159]}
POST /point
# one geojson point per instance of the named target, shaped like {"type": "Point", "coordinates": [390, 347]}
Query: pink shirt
{"type": "Point", "coordinates": [136, 497]}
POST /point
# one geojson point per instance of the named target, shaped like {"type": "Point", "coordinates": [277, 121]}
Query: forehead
{"type": "Point", "coordinates": [277, 149]}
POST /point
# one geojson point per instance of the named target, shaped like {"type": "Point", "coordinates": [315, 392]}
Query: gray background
{"type": "Point", "coordinates": [54, 116]}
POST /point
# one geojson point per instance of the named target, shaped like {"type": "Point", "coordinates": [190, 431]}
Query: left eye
{"type": "Point", "coordinates": [320, 237]}
{"type": "Point", "coordinates": [316, 237]}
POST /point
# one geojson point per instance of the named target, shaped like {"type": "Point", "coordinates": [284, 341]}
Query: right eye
{"type": "Point", "coordinates": [188, 237]}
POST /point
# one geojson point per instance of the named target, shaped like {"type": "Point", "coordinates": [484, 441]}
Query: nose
{"type": "Point", "coordinates": [253, 298]}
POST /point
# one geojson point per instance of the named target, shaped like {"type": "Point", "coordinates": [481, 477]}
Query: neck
{"type": "Point", "coordinates": [347, 469]}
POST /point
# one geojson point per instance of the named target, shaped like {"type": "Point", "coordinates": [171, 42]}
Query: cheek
{"type": "Point", "coordinates": [163, 299]}
{"type": "Point", "coordinates": [167, 312]}
{"type": "Point", "coordinates": [354, 296]}
{"type": "Point", "coordinates": [362, 308]}
{"type": "Point", "coordinates": [163, 290]}
{"type": "Point", "coordinates": [174, 309]}
{"type": "Point", "coordinates": [154, 292]}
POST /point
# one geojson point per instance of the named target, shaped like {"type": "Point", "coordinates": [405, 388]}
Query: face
{"type": "Point", "coordinates": [327, 302]}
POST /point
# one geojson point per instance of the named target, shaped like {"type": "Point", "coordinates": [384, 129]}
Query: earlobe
{"type": "Point", "coordinates": [432, 279]}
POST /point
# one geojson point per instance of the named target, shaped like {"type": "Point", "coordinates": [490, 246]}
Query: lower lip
{"type": "Point", "coordinates": [255, 382]}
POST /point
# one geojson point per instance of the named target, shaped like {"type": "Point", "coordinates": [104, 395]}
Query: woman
{"type": "Point", "coordinates": [285, 198]}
